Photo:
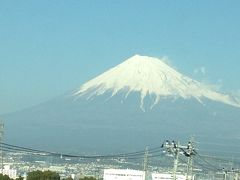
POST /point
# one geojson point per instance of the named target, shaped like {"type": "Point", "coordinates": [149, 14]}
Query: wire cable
{"type": "Point", "coordinates": [48, 153]}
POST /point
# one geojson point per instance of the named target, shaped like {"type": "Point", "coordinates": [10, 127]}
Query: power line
{"type": "Point", "coordinates": [48, 153]}
{"type": "Point", "coordinates": [214, 167]}
{"type": "Point", "coordinates": [219, 144]}
{"type": "Point", "coordinates": [171, 148]}
{"type": "Point", "coordinates": [220, 158]}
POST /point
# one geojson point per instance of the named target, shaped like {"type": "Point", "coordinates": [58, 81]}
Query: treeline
{"type": "Point", "coordinates": [5, 177]}
{"type": "Point", "coordinates": [43, 175]}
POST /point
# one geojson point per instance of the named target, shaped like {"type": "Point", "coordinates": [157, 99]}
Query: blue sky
{"type": "Point", "coordinates": [50, 47]}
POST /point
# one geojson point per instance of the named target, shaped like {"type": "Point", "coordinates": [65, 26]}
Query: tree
{"type": "Point", "coordinates": [40, 175]}
{"type": "Point", "coordinates": [88, 178]}
{"type": "Point", "coordinates": [69, 178]}
{"type": "Point", "coordinates": [20, 178]}
{"type": "Point", "coordinates": [5, 177]}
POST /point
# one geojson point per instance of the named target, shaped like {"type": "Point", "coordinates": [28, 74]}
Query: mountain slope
{"type": "Point", "coordinates": [150, 76]}
{"type": "Point", "coordinates": [104, 115]}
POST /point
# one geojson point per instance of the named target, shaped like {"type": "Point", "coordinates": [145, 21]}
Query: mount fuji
{"type": "Point", "coordinates": [150, 77]}
{"type": "Point", "coordinates": [139, 102]}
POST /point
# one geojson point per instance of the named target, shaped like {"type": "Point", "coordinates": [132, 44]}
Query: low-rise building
{"type": "Point", "coordinates": [12, 173]}
{"type": "Point", "coordinates": [123, 174]}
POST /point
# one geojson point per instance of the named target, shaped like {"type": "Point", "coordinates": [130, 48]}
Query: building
{"type": "Point", "coordinates": [167, 176]}
{"type": "Point", "coordinates": [12, 173]}
{"type": "Point", "coordinates": [123, 174]}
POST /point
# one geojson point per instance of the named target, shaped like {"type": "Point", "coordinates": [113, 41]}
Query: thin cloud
{"type": "Point", "coordinates": [166, 60]}
{"type": "Point", "coordinates": [201, 70]}
{"type": "Point", "coordinates": [214, 86]}
{"type": "Point", "coordinates": [236, 93]}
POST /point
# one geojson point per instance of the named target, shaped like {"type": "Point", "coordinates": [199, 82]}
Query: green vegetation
{"type": "Point", "coordinates": [69, 178]}
{"type": "Point", "coordinates": [5, 177]}
{"type": "Point", "coordinates": [19, 178]}
{"type": "Point", "coordinates": [45, 175]}
{"type": "Point", "coordinates": [84, 178]}
{"type": "Point", "coordinates": [88, 178]}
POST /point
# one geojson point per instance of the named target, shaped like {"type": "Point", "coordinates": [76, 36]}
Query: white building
{"type": "Point", "coordinates": [12, 173]}
{"type": "Point", "coordinates": [167, 176]}
{"type": "Point", "coordinates": [123, 174]}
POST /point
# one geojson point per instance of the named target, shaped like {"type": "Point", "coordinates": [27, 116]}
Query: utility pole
{"type": "Point", "coordinates": [97, 173]}
{"type": "Point", "coordinates": [176, 156]}
{"type": "Point", "coordinates": [233, 174]}
{"type": "Point", "coordinates": [224, 174]}
{"type": "Point", "coordinates": [188, 168]}
{"type": "Point", "coordinates": [145, 164]}
{"type": "Point", "coordinates": [189, 154]}
{"type": "Point", "coordinates": [175, 149]}
{"type": "Point", "coordinates": [191, 167]}
{"type": "Point", "coordinates": [98, 176]}
{"type": "Point", "coordinates": [1, 141]}
{"type": "Point", "coordinates": [236, 175]}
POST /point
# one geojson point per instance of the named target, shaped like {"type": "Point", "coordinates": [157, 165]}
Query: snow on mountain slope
{"type": "Point", "coordinates": [150, 76]}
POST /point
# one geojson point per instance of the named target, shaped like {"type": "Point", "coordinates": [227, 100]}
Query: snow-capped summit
{"type": "Point", "coordinates": [150, 76]}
